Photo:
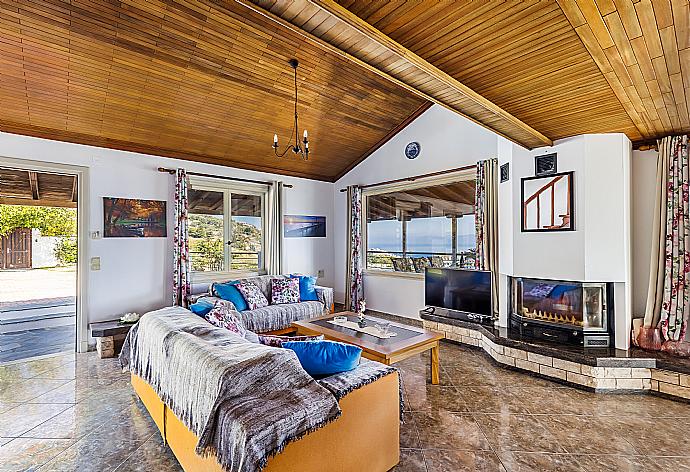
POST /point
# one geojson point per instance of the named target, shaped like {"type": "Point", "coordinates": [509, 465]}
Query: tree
{"type": "Point", "coordinates": [51, 221]}
{"type": "Point", "coordinates": [66, 251]}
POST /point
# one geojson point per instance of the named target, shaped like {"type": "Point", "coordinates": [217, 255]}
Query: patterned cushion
{"type": "Point", "coordinates": [223, 315]}
{"type": "Point", "coordinates": [252, 295]}
{"type": "Point", "coordinates": [284, 291]}
{"type": "Point", "coordinates": [277, 341]}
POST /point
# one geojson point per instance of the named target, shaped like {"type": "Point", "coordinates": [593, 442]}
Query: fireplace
{"type": "Point", "coordinates": [565, 312]}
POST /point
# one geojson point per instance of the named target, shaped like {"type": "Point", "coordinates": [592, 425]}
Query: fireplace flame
{"type": "Point", "coordinates": [552, 317]}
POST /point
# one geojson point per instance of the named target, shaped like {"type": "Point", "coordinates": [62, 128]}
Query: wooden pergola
{"type": "Point", "coordinates": [22, 187]}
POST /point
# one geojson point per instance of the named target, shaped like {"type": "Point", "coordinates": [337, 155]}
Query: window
{"type": "Point", "coordinates": [418, 225]}
{"type": "Point", "coordinates": [226, 227]}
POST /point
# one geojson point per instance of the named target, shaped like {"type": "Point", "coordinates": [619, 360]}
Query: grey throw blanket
{"type": "Point", "coordinates": [245, 402]}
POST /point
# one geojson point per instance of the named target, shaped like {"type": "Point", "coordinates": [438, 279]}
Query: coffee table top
{"type": "Point", "coordinates": [408, 337]}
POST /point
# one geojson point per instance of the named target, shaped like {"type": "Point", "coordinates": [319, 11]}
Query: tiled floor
{"type": "Point", "coordinates": [36, 342]}
{"type": "Point", "coordinates": [78, 413]}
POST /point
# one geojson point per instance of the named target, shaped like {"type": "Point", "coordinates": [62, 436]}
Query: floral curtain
{"type": "Point", "coordinates": [354, 289]}
{"type": "Point", "coordinates": [674, 309]}
{"type": "Point", "coordinates": [668, 291]}
{"type": "Point", "coordinates": [181, 285]}
{"type": "Point", "coordinates": [486, 222]}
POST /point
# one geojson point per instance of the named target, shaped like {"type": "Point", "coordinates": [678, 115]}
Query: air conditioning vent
{"type": "Point", "coordinates": [505, 173]}
{"type": "Point", "coordinates": [545, 165]}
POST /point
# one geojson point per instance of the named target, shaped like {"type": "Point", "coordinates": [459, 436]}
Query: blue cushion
{"type": "Point", "coordinates": [201, 307]}
{"type": "Point", "coordinates": [228, 291]}
{"type": "Point", "coordinates": [307, 290]}
{"type": "Point", "coordinates": [321, 358]}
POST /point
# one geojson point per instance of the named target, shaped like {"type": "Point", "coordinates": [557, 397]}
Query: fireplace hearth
{"type": "Point", "coordinates": [562, 311]}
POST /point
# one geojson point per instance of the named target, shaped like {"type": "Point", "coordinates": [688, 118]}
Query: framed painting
{"type": "Point", "coordinates": [133, 218]}
{"type": "Point", "coordinates": [548, 203]}
{"type": "Point", "coordinates": [301, 226]}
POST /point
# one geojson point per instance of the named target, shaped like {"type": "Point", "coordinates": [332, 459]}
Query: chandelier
{"type": "Point", "coordinates": [301, 148]}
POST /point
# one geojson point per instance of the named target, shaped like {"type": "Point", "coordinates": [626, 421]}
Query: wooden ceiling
{"type": "Point", "coordinates": [643, 49]}
{"type": "Point", "coordinates": [186, 79]}
{"type": "Point", "coordinates": [208, 80]}
{"type": "Point", "coordinates": [21, 187]}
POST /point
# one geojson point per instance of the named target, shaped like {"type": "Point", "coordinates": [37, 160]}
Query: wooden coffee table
{"type": "Point", "coordinates": [408, 342]}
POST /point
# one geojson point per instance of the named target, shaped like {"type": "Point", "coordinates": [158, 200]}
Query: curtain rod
{"type": "Point", "coordinates": [417, 177]}
{"type": "Point", "coordinates": [199, 174]}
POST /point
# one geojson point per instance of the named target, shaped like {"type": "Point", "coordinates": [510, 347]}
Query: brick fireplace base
{"type": "Point", "coordinates": [600, 373]}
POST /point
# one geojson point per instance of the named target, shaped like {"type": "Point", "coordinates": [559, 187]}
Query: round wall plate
{"type": "Point", "coordinates": [412, 150]}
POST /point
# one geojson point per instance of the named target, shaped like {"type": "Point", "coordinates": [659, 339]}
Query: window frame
{"type": "Point", "coordinates": [228, 187]}
{"type": "Point", "coordinates": [410, 184]}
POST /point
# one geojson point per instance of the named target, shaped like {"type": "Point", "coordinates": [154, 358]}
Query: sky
{"type": "Point", "coordinates": [423, 234]}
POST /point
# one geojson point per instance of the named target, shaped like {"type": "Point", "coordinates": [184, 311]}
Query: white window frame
{"type": "Point", "coordinates": [411, 184]}
{"type": "Point", "coordinates": [228, 187]}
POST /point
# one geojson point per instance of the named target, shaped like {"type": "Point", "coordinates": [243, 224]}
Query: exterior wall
{"type": "Point", "coordinates": [135, 273]}
{"type": "Point", "coordinates": [43, 250]}
{"type": "Point", "coordinates": [448, 141]}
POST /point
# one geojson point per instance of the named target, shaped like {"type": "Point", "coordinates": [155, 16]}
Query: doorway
{"type": "Point", "coordinates": [40, 242]}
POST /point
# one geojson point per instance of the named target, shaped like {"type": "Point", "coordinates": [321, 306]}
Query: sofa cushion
{"type": "Point", "coordinates": [321, 358]}
{"type": "Point", "coordinates": [274, 317]}
{"type": "Point", "coordinates": [284, 291]}
{"type": "Point", "coordinates": [224, 315]}
{"type": "Point", "coordinates": [228, 291]}
{"type": "Point", "coordinates": [203, 305]}
{"type": "Point", "coordinates": [307, 287]}
{"type": "Point", "coordinates": [252, 295]}
{"type": "Point", "coordinates": [278, 341]}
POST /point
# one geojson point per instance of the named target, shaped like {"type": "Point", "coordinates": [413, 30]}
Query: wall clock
{"type": "Point", "coordinates": [412, 150]}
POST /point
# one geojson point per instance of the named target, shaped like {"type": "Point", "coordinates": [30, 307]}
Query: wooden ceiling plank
{"type": "Point", "coordinates": [642, 57]}
{"type": "Point", "coordinates": [620, 38]}
{"type": "Point", "coordinates": [681, 21]}
{"type": "Point", "coordinates": [668, 40]}
{"type": "Point", "coordinates": [645, 15]}
{"type": "Point", "coordinates": [662, 13]}
{"type": "Point", "coordinates": [591, 13]}
{"type": "Point", "coordinates": [626, 10]}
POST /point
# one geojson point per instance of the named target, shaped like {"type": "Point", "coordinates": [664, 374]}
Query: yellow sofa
{"type": "Point", "coordinates": [366, 437]}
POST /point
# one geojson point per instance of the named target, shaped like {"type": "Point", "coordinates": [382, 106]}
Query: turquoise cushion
{"type": "Point", "coordinates": [228, 291]}
{"type": "Point", "coordinates": [321, 358]}
{"type": "Point", "coordinates": [307, 290]}
{"type": "Point", "coordinates": [201, 307]}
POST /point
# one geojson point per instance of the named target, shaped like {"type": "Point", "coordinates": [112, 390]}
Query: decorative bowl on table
{"type": "Point", "coordinates": [129, 318]}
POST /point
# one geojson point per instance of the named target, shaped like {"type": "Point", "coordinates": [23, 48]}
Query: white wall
{"type": "Point", "coordinates": [448, 141]}
{"type": "Point", "coordinates": [135, 273]}
{"type": "Point", "coordinates": [644, 184]}
{"type": "Point", "coordinates": [599, 250]}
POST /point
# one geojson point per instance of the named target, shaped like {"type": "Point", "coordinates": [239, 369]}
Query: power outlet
{"type": "Point", "coordinates": [320, 273]}
{"type": "Point", "coordinates": [95, 263]}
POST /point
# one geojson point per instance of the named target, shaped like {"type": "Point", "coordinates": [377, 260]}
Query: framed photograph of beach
{"type": "Point", "coordinates": [302, 226]}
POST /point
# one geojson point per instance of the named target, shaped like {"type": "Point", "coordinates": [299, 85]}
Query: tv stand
{"type": "Point", "coordinates": [458, 315]}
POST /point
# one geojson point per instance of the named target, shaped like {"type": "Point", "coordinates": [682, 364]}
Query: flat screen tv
{"type": "Point", "coordinates": [463, 290]}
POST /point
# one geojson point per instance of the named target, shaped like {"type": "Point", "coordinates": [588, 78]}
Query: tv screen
{"type": "Point", "coordinates": [458, 289]}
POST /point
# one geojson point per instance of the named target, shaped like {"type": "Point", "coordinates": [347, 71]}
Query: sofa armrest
{"type": "Point", "coordinates": [325, 295]}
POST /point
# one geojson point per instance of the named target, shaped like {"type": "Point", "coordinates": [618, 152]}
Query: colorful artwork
{"type": "Point", "coordinates": [130, 218]}
{"type": "Point", "coordinates": [300, 226]}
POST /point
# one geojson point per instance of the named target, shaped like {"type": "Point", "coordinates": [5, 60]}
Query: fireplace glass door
{"type": "Point", "coordinates": [568, 304]}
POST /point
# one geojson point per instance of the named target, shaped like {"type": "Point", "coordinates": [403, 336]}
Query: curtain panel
{"type": "Point", "coordinates": [667, 295]}
{"type": "Point", "coordinates": [274, 236]}
{"type": "Point", "coordinates": [181, 263]}
{"type": "Point", "coordinates": [354, 289]}
{"type": "Point", "coordinates": [486, 222]}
